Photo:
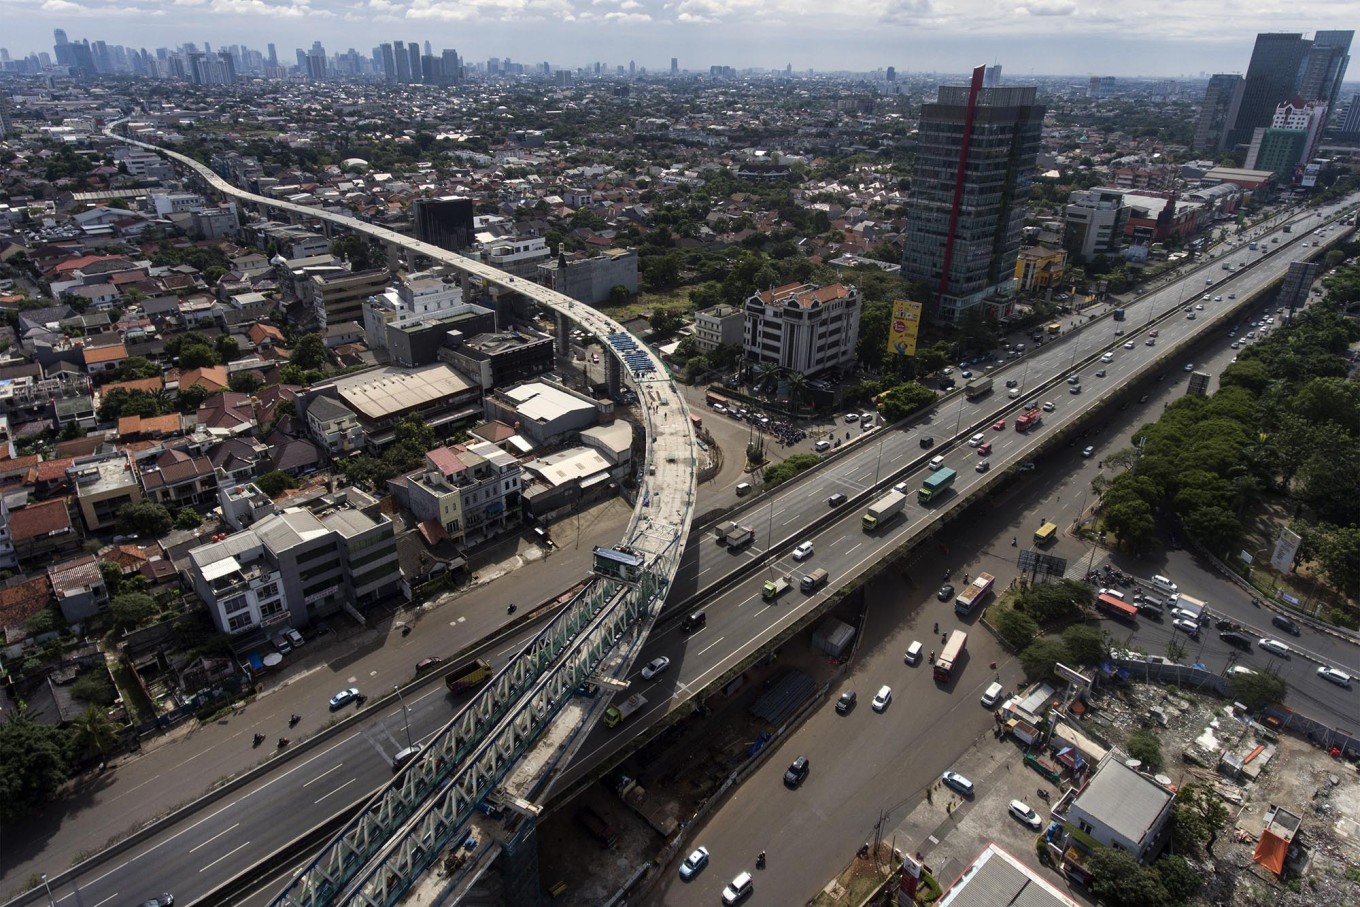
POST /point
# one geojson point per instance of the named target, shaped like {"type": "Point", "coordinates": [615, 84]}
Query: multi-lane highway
{"type": "Point", "coordinates": [227, 840]}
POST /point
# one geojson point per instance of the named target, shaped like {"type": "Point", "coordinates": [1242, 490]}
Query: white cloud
{"type": "Point", "coordinates": [1048, 9]}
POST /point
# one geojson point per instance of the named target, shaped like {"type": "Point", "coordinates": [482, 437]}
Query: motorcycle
{"type": "Point", "coordinates": [760, 860]}
{"type": "Point", "coordinates": [259, 738]}
{"type": "Point", "coordinates": [293, 720]}
{"type": "Point", "coordinates": [283, 741]}
{"type": "Point", "coordinates": [510, 610]}
{"type": "Point", "coordinates": [1043, 795]}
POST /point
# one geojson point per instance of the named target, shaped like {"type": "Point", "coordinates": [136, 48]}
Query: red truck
{"type": "Point", "coordinates": [1031, 419]}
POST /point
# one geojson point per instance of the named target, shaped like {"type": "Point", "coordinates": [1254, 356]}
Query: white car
{"type": "Point", "coordinates": [1107, 358]}
{"type": "Point", "coordinates": [1340, 678]}
{"type": "Point", "coordinates": [1022, 812]}
{"type": "Point", "coordinates": [901, 487]}
{"type": "Point", "coordinates": [1188, 627]}
{"type": "Point", "coordinates": [694, 863]}
{"type": "Point", "coordinates": [1189, 366]}
{"type": "Point", "coordinates": [958, 782]}
{"type": "Point", "coordinates": [656, 667]}
{"type": "Point", "coordinates": [977, 439]}
{"type": "Point", "coordinates": [1274, 647]}
{"type": "Point", "coordinates": [882, 698]}
{"type": "Point", "coordinates": [1129, 345]}
{"type": "Point", "coordinates": [852, 417]}
{"type": "Point", "coordinates": [1047, 407]}
{"type": "Point", "coordinates": [802, 551]}
{"type": "Point", "coordinates": [992, 695]}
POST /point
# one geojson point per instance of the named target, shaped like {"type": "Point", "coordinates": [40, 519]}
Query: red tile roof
{"type": "Point", "coordinates": [20, 602]}
{"type": "Point", "coordinates": [102, 354]}
{"type": "Point", "coordinates": [36, 520]}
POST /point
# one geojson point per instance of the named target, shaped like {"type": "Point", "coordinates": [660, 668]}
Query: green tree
{"type": "Point", "coordinates": [47, 620]}
{"type": "Point", "coordinates": [93, 734]}
{"type": "Point", "coordinates": [1145, 747]}
{"type": "Point", "coordinates": [113, 576]}
{"type": "Point", "coordinates": [228, 349]}
{"type": "Point", "coordinates": [93, 687]}
{"type": "Point", "coordinates": [1039, 657]}
{"type": "Point", "coordinates": [310, 353]}
{"type": "Point", "coordinates": [783, 471]}
{"type": "Point", "coordinates": [275, 482]}
{"type": "Point", "coordinates": [905, 399]}
{"type": "Point", "coordinates": [134, 367]}
{"type": "Point", "coordinates": [356, 250]}
{"type": "Point", "coordinates": [665, 322]}
{"type": "Point", "coordinates": [1339, 555]}
{"type": "Point", "coordinates": [132, 609]}
{"type": "Point", "coordinates": [191, 398]}
{"type": "Point", "coordinates": [1087, 645]}
{"type": "Point", "coordinates": [1181, 880]}
{"type": "Point", "coordinates": [1016, 627]}
{"type": "Point", "coordinates": [1121, 882]}
{"type": "Point", "coordinates": [147, 519]}
{"type": "Point", "coordinates": [1210, 815]}
{"type": "Point", "coordinates": [1049, 602]}
{"type": "Point", "coordinates": [33, 765]}
{"type": "Point", "coordinates": [188, 518]}
{"type": "Point", "coordinates": [1259, 689]}
{"type": "Point", "coordinates": [197, 355]}
{"type": "Point", "coordinates": [245, 382]}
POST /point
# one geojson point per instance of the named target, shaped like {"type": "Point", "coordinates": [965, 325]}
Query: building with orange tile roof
{"type": "Point", "coordinates": [104, 358]}
{"type": "Point", "coordinates": [802, 327]}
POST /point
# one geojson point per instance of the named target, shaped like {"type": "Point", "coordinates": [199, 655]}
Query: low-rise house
{"type": "Point", "coordinates": [41, 532]}
{"type": "Point", "coordinates": [79, 588]}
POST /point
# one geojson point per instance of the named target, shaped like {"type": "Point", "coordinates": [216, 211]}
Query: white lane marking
{"type": "Point", "coordinates": [230, 827]}
{"type": "Point", "coordinates": [223, 857]}
{"type": "Point", "coordinates": [323, 774]}
{"type": "Point", "coordinates": [336, 790]}
{"type": "Point", "coordinates": [710, 645]}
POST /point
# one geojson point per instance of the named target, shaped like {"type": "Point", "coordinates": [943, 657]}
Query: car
{"type": "Point", "coordinates": [1074, 389]}
{"type": "Point", "coordinates": [1047, 407]}
{"type": "Point", "coordinates": [1152, 333]}
{"type": "Point", "coordinates": [984, 465]}
{"type": "Point", "coordinates": [866, 420]}
{"type": "Point", "coordinates": [1026, 815]}
{"type": "Point", "coordinates": [846, 703]}
{"type": "Point", "coordinates": [964, 373]}
{"type": "Point", "coordinates": [985, 449]}
{"type": "Point", "coordinates": [1119, 332]}
{"type": "Point", "coordinates": [852, 417]}
{"type": "Point", "coordinates": [1128, 345]}
{"type": "Point", "coordinates": [999, 425]}
{"type": "Point", "coordinates": [656, 667]}
{"type": "Point", "coordinates": [1100, 373]}
{"type": "Point", "coordinates": [1286, 624]}
{"type": "Point", "coordinates": [1274, 647]}
{"type": "Point", "coordinates": [802, 551]}
{"type": "Point", "coordinates": [1027, 466]}
{"type": "Point", "coordinates": [1073, 379]}
{"type": "Point", "coordinates": [1033, 404]}
{"type": "Point", "coordinates": [913, 654]}
{"type": "Point", "coordinates": [1232, 295]}
{"type": "Point", "coordinates": [1236, 640]}
{"type": "Point", "coordinates": [1088, 452]}
{"type": "Point", "coordinates": [294, 637]}
{"type": "Point", "coordinates": [1107, 358]}
{"type": "Point", "coordinates": [835, 500]}
{"type": "Point", "coordinates": [739, 889]}
{"type": "Point", "coordinates": [902, 487]}
{"type": "Point", "coordinates": [946, 592]}
{"type": "Point", "coordinates": [1200, 307]}
{"type": "Point", "coordinates": [1334, 675]}
{"type": "Point", "coordinates": [797, 772]}
{"type": "Point", "coordinates": [927, 441]}
{"type": "Point", "coordinates": [281, 643]}
{"type": "Point", "coordinates": [165, 900]}
{"type": "Point", "coordinates": [404, 756]}
{"type": "Point", "coordinates": [428, 664]}
{"type": "Point", "coordinates": [694, 863]}
{"type": "Point", "coordinates": [958, 782]}
{"type": "Point", "coordinates": [1011, 382]}
{"type": "Point", "coordinates": [1188, 627]}
{"type": "Point", "coordinates": [822, 446]}
{"type": "Point", "coordinates": [1190, 316]}
{"type": "Point", "coordinates": [1144, 398]}
{"type": "Point", "coordinates": [992, 695]}
{"type": "Point", "coordinates": [882, 698]}
{"type": "Point", "coordinates": [977, 439]}
{"type": "Point", "coordinates": [344, 698]}
{"type": "Point", "coordinates": [1235, 345]}
{"type": "Point", "coordinates": [1189, 366]}
{"type": "Point", "coordinates": [594, 357]}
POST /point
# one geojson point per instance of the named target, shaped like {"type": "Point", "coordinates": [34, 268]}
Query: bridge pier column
{"type": "Point", "coordinates": [563, 336]}
{"type": "Point", "coordinates": [518, 864]}
{"type": "Point", "coordinates": [613, 375]}
{"type": "Point", "coordinates": [393, 257]}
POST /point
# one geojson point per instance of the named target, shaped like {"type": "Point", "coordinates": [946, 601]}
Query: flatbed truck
{"type": "Point", "coordinates": [615, 714]}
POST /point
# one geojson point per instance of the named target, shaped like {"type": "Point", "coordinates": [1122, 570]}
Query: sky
{"type": "Point", "coordinates": [1040, 37]}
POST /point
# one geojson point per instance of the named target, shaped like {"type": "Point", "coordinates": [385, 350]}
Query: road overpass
{"type": "Point", "coordinates": [401, 832]}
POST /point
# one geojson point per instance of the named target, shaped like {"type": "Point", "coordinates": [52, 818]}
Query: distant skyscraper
{"type": "Point", "coordinates": [273, 56]}
{"type": "Point", "coordinates": [975, 160]}
{"type": "Point", "coordinates": [403, 61]}
{"type": "Point", "coordinates": [59, 36]}
{"type": "Point", "coordinates": [444, 222]}
{"type": "Point", "coordinates": [1272, 77]}
{"type": "Point", "coordinates": [429, 51]}
{"type": "Point", "coordinates": [389, 62]}
{"type": "Point", "coordinates": [675, 66]}
{"type": "Point", "coordinates": [892, 74]}
{"type": "Point", "coordinates": [1350, 122]}
{"type": "Point", "coordinates": [453, 67]}
{"type": "Point", "coordinates": [1217, 112]}
{"type": "Point", "coordinates": [992, 77]}
{"type": "Point", "coordinates": [1325, 67]}
{"type": "Point", "coordinates": [413, 53]}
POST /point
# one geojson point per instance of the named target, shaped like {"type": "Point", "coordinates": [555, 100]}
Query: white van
{"type": "Point", "coordinates": [1164, 584]}
{"type": "Point", "coordinates": [937, 463]}
{"type": "Point", "coordinates": [743, 488]}
{"type": "Point", "coordinates": [992, 695]}
{"type": "Point", "coordinates": [913, 656]}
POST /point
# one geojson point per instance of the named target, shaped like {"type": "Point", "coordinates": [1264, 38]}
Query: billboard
{"type": "Point", "coordinates": [906, 321]}
{"type": "Point", "coordinates": [1286, 546]}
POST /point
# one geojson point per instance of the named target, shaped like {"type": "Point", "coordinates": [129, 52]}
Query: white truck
{"type": "Point", "coordinates": [734, 535]}
{"type": "Point", "coordinates": [1189, 607]}
{"type": "Point", "coordinates": [884, 509]}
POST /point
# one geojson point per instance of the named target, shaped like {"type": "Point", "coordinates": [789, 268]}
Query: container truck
{"type": "Point", "coordinates": [977, 387]}
{"type": "Point", "coordinates": [973, 593]}
{"type": "Point", "coordinates": [883, 510]}
{"type": "Point", "coordinates": [1194, 607]}
{"type": "Point", "coordinates": [615, 714]}
{"type": "Point", "coordinates": [471, 677]}
{"type": "Point", "coordinates": [738, 535]}
{"type": "Point", "coordinates": [949, 658]}
{"type": "Point", "coordinates": [774, 588]}
{"type": "Point", "coordinates": [814, 580]}
{"type": "Point", "coordinates": [935, 485]}
{"type": "Point", "coordinates": [1030, 419]}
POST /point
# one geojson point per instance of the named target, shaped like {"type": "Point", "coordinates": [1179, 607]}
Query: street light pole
{"type": "Point", "coordinates": [48, 887]}
{"type": "Point", "coordinates": [404, 717]}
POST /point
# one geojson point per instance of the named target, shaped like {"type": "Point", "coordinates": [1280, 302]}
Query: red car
{"type": "Point", "coordinates": [1152, 333]}
{"type": "Point", "coordinates": [984, 449]}
{"type": "Point", "coordinates": [999, 425]}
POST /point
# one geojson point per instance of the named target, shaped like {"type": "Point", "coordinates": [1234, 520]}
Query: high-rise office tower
{"type": "Point", "coordinates": [675, 66]}
{"type": "Point", "coordinates": [273, 56]}
{"type": "Point", "coordinates": [453, 67]}
{"type": "Point", "coordinates": [1272, 77]}
{"type": "Point", "coordinates": [403, 61]}
{"type": "Point", "coordinates": [891, 74]}
{"type": "Point", "coordinates": [59, 37]}
{"type": "Point", "coordinates": [1350, 120]}
{"type": "Point", "coordinates": [413, 53]}
{"type": "Point", "coordinates": [445, 222]}
{"type": "Point", "coordinates": [976, 154]}
{"type": "Point", "coordinates": [1217, 112]}
{"type": "Point", "coordinates": [992, 77]}
{"type": "Point", "coordinates": [1324, 67]}
{"type": "Point", "coordinates": [389, 62]}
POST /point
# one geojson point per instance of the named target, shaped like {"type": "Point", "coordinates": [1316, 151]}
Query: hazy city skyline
{"type": "Point", "coordinates": [1049, 37]}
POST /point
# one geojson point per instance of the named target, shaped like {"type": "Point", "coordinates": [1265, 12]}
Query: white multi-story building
{"type": "Point", "coordinates": [721, 325]}
{"type": "Point", "coordinates": [1094, 222]}
{"type": "Point", "coordinates": [419, 298]}
{"type": "Point", "coordinates": [803, 328]}
{"type": "Point", "coordinates": [471, 490]}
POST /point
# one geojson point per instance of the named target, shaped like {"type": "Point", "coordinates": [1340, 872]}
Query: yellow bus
{"type": "Point", "coordinates": [1055, 328]}
{"type": "Point", "coordinates": [1045, 534]}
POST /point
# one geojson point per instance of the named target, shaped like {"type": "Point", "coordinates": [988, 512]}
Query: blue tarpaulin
{"type": "Point", "coordinates": [254, 661]}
